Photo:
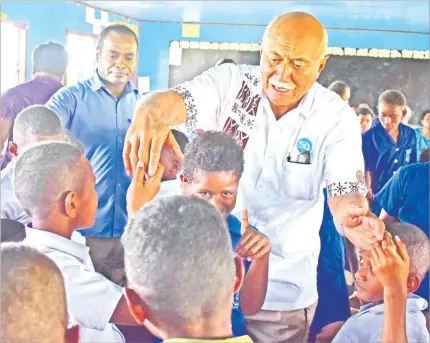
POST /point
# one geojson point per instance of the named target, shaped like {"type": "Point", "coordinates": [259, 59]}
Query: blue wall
{"type": "Point", "coordinates": [48, 21]}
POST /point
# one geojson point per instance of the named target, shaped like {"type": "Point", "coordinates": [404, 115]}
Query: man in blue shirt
{"type": "Point", "coordinates": [98, 112]}
{"type": "Point", "coordinates": [405, 198]}
{"type": "Point", "coordinates": [388, 145]}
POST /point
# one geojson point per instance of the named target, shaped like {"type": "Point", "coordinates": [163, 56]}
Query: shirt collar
{"type": "Point", "coordinates": [96, 83]}
{"type": "Point", "coordinates": [414, 303]}
{"type": "Point", "coordinates": [234, 225]}
{"type": "Point", "coordinates": [56, 242]}
{"type": "Point", "coordinates": [47, 78]}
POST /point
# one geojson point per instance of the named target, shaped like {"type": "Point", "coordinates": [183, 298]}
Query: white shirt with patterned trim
{"type": "Point", "coordinates": [284, 199]}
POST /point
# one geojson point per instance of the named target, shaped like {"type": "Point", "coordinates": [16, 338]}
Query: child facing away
{"type": "Point", "coordinates": [55, 184]}
{"type": "Point", "coordinates": [170, 182]}
{"type": "Point", "coordinates": [213, 166]}
{"type": "Point", "coordinates": [388, 276]}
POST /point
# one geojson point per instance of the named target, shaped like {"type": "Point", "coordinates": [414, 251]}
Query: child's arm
{"type": "Point", "coordinates": [142, 188]}
{"type": "Point", "coordinates": [254, 246]}
{"type": "Point", "coordinates": [391, 267]}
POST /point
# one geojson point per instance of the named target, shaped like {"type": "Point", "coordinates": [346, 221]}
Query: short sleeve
{"type": "Point", "coordinates": [91, 298]}
{"type": "Point", "coordinates": [391, 196]}
{"type": "Point", "coordinates": [205, 95]}
{"type": "Point", "coordinates": [64, 104]}
{"type": "Point", "coordinates": [343, 158]}
{"type": "Point", "coordinates": [8, 108]}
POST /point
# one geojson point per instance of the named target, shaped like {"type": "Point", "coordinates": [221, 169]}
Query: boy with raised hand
{"type": "Point", "coordinates": [389, 274]}
{"type": "Point", "coordinates": [213, 166]}
{"type": "Point", "coordinates": [181, 270]}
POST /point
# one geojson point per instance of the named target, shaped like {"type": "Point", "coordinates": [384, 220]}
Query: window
{"type": "Point", "coordinates": [82, 56]}
{"type": "Point", "coordinates": [13, 54]}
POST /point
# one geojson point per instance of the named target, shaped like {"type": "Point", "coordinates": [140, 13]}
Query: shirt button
{"type": "Point", "coordinates": [396, 161]}
{"type": "Point", "coordinates": [394, 172]}
{"type": "Point", "coordinates": [397, 149]}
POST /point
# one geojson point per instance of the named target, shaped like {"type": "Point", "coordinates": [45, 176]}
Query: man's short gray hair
{"type": "Point", "coordinates": [44, 174]}
{"type": "Point", "coordinates": [178, 258]}
{"type": "Point", "coordinates": [51, 58]}
{"type": "Point", "coordinates": [33, 299]}
{"type": "Point", "coordinates": [417, 245]}
{"type": "Point", "coordinates": [213, 151]}
{"type": "Point", "coordinates": [35, 120]}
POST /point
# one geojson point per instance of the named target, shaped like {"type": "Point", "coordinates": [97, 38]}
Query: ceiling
{"type": "Point", "coordinates": [385, 15]}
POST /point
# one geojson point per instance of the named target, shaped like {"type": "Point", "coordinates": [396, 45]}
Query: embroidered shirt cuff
{"type": "Point", "coordinates": [190, 105]}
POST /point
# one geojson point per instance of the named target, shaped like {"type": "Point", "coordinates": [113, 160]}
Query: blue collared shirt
{"type": "Point", "coordinates": [366, 326]}
{"type": "Point", "coordinates": [422, 141]}
{"type": "Point", "coordinates": [100, 121]}
{"type": "Point", "coordinates": [383, 157]}
{"type": "Point", "coordinates": [406, 196]}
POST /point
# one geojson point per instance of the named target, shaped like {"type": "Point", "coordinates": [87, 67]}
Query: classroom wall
{"type": "Point", "coordinates": [156, 38]}
{"type": "Point", "coordinates": [49, 20]}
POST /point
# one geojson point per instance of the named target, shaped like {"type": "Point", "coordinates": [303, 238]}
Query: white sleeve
{"type": "Point", "coordinates": [205, 95]}
{"type": "Point", "coordinates": [343, 159]}
{"type": "Point", "coordinates": [91, 298]}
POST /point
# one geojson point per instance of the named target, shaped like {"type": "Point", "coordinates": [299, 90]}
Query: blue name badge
{"type": "Point", "coordinates": [304, 145]}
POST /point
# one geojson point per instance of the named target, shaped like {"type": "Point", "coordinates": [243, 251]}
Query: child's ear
{"type": "Point", "coordinates": [185, 184]}
{"type": "Point", "coordinates": [135, 305]}
{"type": "Point", "coordinates": [13, 149]}
{"type": "Point", "coordinates": [413, 282]}
{"type": "Point", "coordinates": [240, 274]}
{"type": "Point", "coordinates": [71, 204]}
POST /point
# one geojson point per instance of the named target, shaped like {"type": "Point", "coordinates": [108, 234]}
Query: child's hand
{"type": "Point", "coordinates": [142, 188]}
{"type": "Point", "coordinates": [253, 244]}
{"type": "Point", "coordinates": [390, 263]}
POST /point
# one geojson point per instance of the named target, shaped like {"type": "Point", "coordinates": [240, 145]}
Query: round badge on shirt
{"type": "Point", "coordinates": [304, 145]}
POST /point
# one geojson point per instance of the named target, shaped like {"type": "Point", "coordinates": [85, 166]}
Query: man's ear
{"type": "Point", "coordinates": [71, 204]}
{"type": "Point", "coordinates": [98, 53]}
{"type": "Point", "coordinates": [240, 274]}
{"type": "Point", "coordinates": [72, 335]}
{"type": "Point", "coordinates": [135, 305]}
{"type": "Point", "coordinates": [413, 282]}
{"type": "Point", "coordinates": [404, 112]}
{"type": "Point", "coordinates": [13, 149]}
{"type": "Point", "coordinates": [322, 64]}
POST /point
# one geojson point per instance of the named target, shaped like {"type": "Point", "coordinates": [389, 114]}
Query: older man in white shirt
{"type": "Point", "coordinates": [298, 138]}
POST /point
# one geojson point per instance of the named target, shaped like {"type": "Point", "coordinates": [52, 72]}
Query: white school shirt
{"type": "Point", "coordinates": [10, 206]}
{"type": "Point", "coordinates": [169, 187]}
{"type": "Point", "coordinates": [366, 325]}
{"type": "Point", "coordinates": [284, 200]}
{"type": "Point", "coordinates": [91, 298]}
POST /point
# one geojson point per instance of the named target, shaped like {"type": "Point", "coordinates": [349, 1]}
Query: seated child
{"type": "Point", "coordinates": [387, 278]}
{"type": "Point", "coordinates": [33, 301]}
{"type": "Point", "coordinates": [181, 270]}
{"type": "Point", "coordinates": [213, 166]}
{"type": "Point", "coordinates": [170, 182]}
{"type": "Point", "coordinates": [55, 184]}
